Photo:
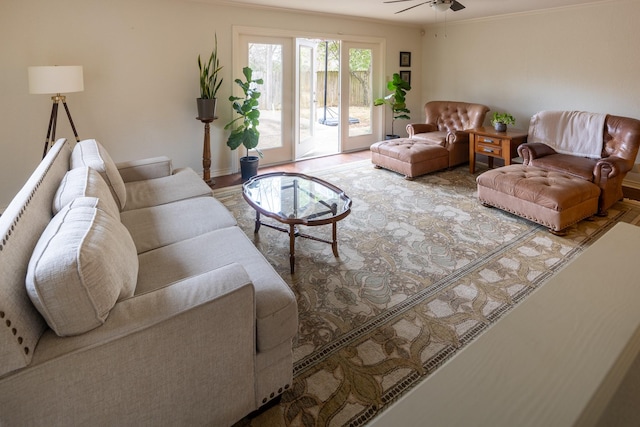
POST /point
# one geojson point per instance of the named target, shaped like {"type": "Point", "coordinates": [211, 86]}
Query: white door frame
{"type": "Point", "coordinates": [239, 55]}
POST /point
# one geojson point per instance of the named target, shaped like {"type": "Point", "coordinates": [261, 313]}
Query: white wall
{"type": "Point", "coordinates": [141, 77]}
{"type": "Point", "coordinates": [576, 58]}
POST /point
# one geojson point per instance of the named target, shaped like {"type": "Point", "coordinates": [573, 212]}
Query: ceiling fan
{"type": "Point", "coordinates": [439, 5]}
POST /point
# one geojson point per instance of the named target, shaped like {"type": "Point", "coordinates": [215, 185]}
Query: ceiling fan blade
{"type": "Point", "coordinates": [456, 6]}
{"type": "Point", "coordinates": [396, 1]}
{"type": "Point", "coordinates": [419, 4]}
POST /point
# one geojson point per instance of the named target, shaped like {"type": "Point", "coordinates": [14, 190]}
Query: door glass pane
{"type": "Point", "coordinates": [318, 97]}
{"type": "Point", "coordinates": [360, 102]}
{"type": "Point", "coordinates": [266, 62]}
{"type": "Point", "coordinates": [306, 92]}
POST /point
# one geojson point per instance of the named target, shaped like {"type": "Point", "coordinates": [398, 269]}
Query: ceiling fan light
{"type": "Point", "coordinates": [441, 5]}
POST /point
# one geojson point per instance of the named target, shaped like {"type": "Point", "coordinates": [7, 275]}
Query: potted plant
{"type": "Point", "coordinates": [396, 101]}
{"type": "Point", "coordinates": [501, 120]}
{"type": "Point", "coordinates": [244, 129]}
{"type": "Point", "coordinates": [209, 84]}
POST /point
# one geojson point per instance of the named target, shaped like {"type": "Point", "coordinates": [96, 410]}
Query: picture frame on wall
{"type": "Point", "coordinates": [406, 76]}
{"type": "Point", "coordinates": [405, 59]}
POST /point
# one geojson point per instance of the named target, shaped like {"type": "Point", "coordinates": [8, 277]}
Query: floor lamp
{"type": "Point", "coordinates": [56, 80]}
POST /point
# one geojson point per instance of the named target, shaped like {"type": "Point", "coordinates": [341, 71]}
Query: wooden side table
{"type": "Point", "coordinates": [502, 145]}
{"type": "Point", "coordinates": [206, 151]}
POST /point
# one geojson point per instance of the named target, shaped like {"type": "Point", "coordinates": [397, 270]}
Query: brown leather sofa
{"type": "Point", "coordinates": [558, 190]}
{"type": "Point", "coordinates": [439, 143]}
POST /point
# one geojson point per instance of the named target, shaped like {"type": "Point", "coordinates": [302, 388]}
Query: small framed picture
{"type": "Point", "coordinates": [406, 76]}
{"type": "Point", "coordinates": [405, 59]}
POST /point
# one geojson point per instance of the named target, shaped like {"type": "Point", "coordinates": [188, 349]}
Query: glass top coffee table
{"type": "Point", "coordinates": [295, 199]}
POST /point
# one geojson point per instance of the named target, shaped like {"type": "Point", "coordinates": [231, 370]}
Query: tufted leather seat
{"type": "Point", "coordinates": [556, 200]}
{"type": "Point", "coordinates": [441, 142]}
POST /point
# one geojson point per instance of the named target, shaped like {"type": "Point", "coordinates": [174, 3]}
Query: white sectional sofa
{"type": "Point", "coordinates": [129, 296]}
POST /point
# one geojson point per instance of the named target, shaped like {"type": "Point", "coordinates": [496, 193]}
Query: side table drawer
{"type": "Point", "coordinates": [488, 140]}
{"type": "Point", "coordinates": [489, 150]}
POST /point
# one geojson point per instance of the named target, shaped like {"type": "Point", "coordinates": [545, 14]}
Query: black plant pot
{"type": "Point", "coordinates": [500, 127]}
{"type": "Point", "coordinates": [248, 167]}
{"type": "Point", "coordinates": [206, 108]}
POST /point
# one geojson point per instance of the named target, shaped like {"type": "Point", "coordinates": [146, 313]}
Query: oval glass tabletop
{"type": "Point", "coordinates": [294, 198]}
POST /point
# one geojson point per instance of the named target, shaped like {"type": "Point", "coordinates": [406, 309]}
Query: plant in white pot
{"type": "Point", "coordinates": [210, 82]}
{"type": "Point", "coordinates": [396, 101]}
{"type": "Point", "coordinates": [244, 129]}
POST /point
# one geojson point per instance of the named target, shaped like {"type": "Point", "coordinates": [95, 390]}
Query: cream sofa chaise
{"type": "Point", "coordinates": [140, 302]}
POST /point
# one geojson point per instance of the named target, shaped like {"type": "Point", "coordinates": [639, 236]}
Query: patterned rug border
{"type": "Point", "coordinates": [439, 359]}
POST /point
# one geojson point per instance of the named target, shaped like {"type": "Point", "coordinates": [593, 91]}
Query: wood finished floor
{"type": "Point", "coordinates": [307, 166]}
{"type": "Point", "coordinates": [302, 166]}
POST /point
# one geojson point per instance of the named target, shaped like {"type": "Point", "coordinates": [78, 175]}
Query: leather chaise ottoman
{"type": "Point", "coordinates": [553, 199]}
{"type": "Point", "coordinates": [409, 157]}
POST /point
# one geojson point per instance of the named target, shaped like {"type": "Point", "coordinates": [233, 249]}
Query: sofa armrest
{"type": "Point", "coordinates": [152, 308]}
{"type": "Point", "coordinates": [139, 170]}
{"type": "Point", "coordinates": [415, 128]}
{"type": "Point", "coordinates": [182, 352]}
{"type": "Point", "coordinates": [534, 150]}
{"type": "Point", "coordinates": [610, 167]}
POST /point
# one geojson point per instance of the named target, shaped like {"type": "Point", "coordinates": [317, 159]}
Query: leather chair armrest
{"type": "Point", "coordinates": [415, 128]}
{"type": "Point", "coordinates": [457, 136]}
{"type": "Point", "coordinates": [610, 167]}
{"type": "Point", "coordinates": [534, 150]}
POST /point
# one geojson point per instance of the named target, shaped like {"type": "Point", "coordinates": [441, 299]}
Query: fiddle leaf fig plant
{"type": "Point", "coordinates": [397, 99]}
{"type": "Point", "coordinates": [244, 129]}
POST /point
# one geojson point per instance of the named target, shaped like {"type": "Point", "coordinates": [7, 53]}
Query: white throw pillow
{"type": "Point", "coordinates": [84, 182]}
{"type": "Point", "coordinates": [84, 262]}
{"type": "Point", "coordinates": [91, 153]}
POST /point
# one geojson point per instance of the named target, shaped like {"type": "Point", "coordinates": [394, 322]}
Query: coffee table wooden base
{"type": "Point", "coordinates": [294, 232]}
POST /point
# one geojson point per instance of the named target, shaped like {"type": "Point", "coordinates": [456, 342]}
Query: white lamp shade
{"type": "Point", "coordinates": [442, 6]}
{"type": "Point", "coordinates": [56, 79]}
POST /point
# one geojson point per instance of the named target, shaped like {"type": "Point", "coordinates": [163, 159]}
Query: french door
{"type": "Point", "coordinates": [296, 118]}
{"type": "Point", "coordinates": [270, 59]}
{"type": "Point", "coordinates": [360, 73]}
{"type": "Point", "coordinates": [306, 102]}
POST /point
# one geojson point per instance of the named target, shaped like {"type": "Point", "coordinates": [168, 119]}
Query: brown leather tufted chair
{"type": "Point", "coordinates": [439, 143]}
{"type": "Point", "coordinates": [446, 124]}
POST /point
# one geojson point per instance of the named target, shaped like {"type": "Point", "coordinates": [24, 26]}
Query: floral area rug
{"type": "Point", "coordinates": [423, 269]}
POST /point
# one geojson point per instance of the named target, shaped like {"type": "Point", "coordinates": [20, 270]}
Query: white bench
{"type": "Point", "coordinates": [554, 360]}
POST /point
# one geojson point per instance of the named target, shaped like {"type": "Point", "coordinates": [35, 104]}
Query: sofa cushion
{"type": "Point", "coordinates": [183, 184]}
{"type": "Point", "coordinates": [83, 263]}
{"type": "Point", "coordinates": [276, 309]}
{"type": "Point", "coordinates": [437, 137]}
{"type": "Point", "coordinates": [84, 182]}
{"type": "Point", "coordinates": [91, 153]}
{"type": "Point", "coordinates": [158, 226]}
{"type": "Point", "coordinates": [580, 167]}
